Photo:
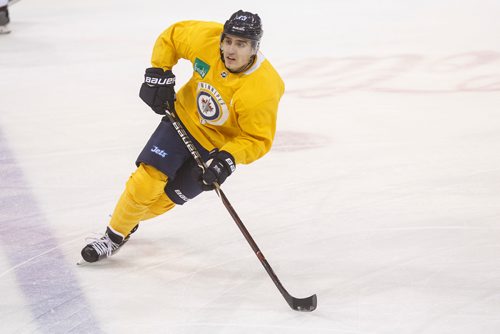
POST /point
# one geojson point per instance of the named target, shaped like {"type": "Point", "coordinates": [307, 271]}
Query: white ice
{"type": "Point", "coordinates": [381, 194]}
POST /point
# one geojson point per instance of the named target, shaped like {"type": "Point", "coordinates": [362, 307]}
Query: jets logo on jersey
{"type": "Point", "coordinates": [211, 107]}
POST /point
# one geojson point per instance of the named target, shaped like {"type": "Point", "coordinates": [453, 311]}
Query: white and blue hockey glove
{"type": "Point", "coordinates": [221, 166]}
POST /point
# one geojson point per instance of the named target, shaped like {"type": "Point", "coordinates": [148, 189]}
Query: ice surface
{"type": "Point", "coordinates": [381, 194]}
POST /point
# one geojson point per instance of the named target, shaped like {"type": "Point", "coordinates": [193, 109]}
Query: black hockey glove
{"type": "Point", "coordinates": [221, 166]}
{"type": "Point", "coordinates": [157, 89]}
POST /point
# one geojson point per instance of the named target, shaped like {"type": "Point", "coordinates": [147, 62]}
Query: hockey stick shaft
{"type": "Point", "coordinates": [306, 304]}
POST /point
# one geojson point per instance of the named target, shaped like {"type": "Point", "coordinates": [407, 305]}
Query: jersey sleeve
{"type": "Point", "coordinates": [174, 43]}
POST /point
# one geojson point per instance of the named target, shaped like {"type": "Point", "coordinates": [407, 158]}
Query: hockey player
{"type": "Point", "coordinates": [229, 108]}
{"type": "Point", "coordinates": [4, 17]}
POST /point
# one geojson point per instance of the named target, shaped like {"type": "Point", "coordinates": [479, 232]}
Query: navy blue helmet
{"type": "Point", "coordinates": [244, 24]}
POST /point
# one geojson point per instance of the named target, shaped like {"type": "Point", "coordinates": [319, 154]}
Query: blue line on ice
{"type": "Point", "coordinates": [48, 282]}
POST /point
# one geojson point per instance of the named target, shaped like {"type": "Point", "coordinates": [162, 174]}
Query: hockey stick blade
{"type": "Point", "coordinates": [302, 304]}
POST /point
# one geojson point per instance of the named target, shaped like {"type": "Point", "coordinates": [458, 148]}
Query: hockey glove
{"type": "Point", "coordinates": [157, 90]}
{"type": "Point", "coordinates": [221, 166]}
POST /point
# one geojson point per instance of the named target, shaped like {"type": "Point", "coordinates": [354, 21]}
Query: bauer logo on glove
{"type": "Point", "coordinates": [155, 81]}
{"type": "Point", "coordinates": [157, 90]}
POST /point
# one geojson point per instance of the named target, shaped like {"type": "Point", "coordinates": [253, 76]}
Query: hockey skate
{"type": "Point", "coordinates": [105, 246]}
{"type": "Point", "coordinates": [4, 20]}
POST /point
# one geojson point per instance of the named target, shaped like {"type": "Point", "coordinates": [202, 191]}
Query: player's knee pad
{"type": "Point", "coordinates": [187, 183]}
{"type": "Point", "coordinates": [146, 185]}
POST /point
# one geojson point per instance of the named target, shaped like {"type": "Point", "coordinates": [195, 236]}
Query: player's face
{"type": "Point", "coordinates": [237, 52]}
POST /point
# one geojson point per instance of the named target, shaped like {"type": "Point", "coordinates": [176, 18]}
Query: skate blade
{"type": "Point", "coordinates": [82, 262]}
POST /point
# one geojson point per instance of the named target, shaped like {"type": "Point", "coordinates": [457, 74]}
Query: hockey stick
{"type": "Point", "coordinates": [298, 304]}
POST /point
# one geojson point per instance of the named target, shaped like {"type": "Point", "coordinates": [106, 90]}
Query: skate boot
{"type": "Point", "coordinates": [105, 246]}
{"type": "Point", "coordinates": [4, 20]}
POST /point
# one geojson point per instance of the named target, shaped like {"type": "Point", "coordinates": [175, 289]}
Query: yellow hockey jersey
{"type": "Point", "coordinates": [232, 112]}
